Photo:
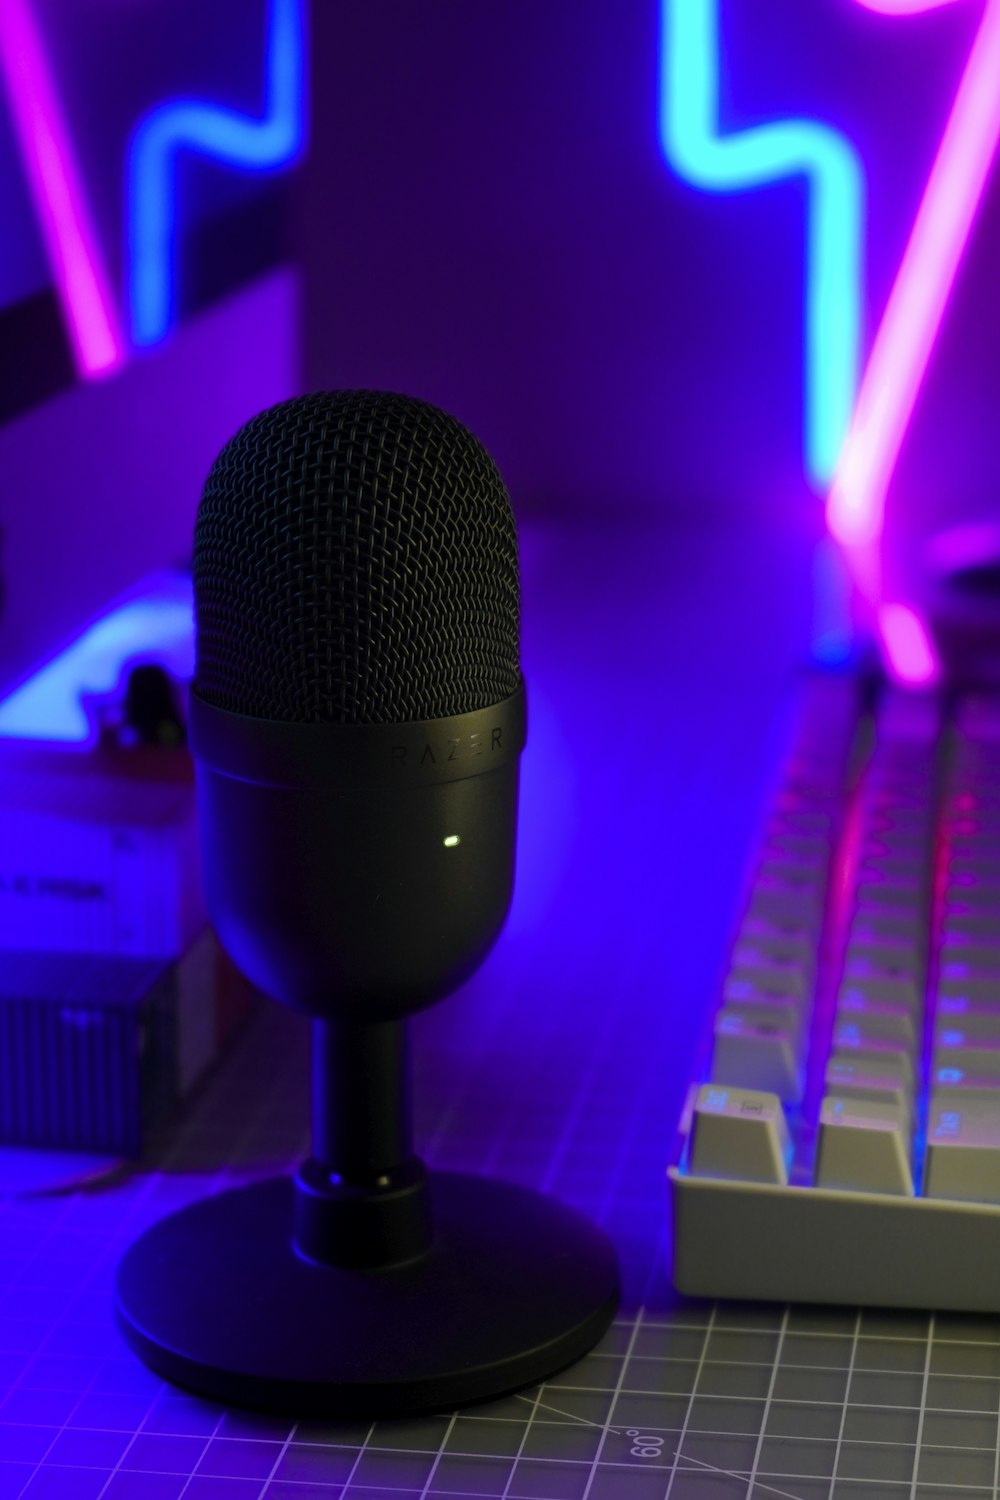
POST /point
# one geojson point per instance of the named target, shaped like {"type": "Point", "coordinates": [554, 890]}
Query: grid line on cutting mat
{"type": "Point", "coordinates": [561, 1095]}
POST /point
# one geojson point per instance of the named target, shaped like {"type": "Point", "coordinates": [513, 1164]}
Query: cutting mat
{"type": "Point", "coordinates": [680, 1400]}
{"type": "Point", "coordinates": [562, 1066]}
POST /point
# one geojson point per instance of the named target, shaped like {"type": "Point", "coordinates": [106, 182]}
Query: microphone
{"type": "Point", "coordinates": [358, 709]}
{"type": "Point", "coordinates": [357, 717]}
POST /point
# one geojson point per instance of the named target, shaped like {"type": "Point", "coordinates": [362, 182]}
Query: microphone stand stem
{"type": "Point", "coordinates": [362, 1098]}
{"type": "Point", "coordinates": [362, 1199]}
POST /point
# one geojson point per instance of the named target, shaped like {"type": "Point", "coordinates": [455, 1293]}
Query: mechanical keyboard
{"type": "Point", "coordinates": [842, 1140]}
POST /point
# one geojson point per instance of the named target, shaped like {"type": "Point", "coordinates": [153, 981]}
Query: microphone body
{"type": "Point", "coordinates": [363, 870]}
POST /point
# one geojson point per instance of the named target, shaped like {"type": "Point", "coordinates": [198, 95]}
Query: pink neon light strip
{"type": "Point", "coordinates": [58, 194]}
{"type": "Point", "coordinates": [910, 656]}
{"type": "Point", "coordinates": [904, 7]}
{"type": "Point", "coordinates": [920, 295]}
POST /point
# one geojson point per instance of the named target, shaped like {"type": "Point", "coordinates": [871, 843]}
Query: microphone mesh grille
{"type": "Point", "coordinates": [355, 562]}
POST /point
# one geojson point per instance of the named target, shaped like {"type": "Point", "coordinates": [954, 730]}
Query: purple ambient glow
{"type": "Point", "coordinates": [57, 191]}
{"type": "Point", "coordinates": [919, 297]}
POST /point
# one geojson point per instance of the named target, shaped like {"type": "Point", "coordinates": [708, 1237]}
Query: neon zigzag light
{"type": "Point", "coordinates": [919, 298]}
{"type": "Point", "coordinates": [688, 128]}
{"type": "Point", "coordinates": [274, 140]}
{"type": "Point", "coordinates": [57, 192]}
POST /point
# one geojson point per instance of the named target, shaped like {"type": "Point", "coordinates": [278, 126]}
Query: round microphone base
{"type": "Point", "coordinates": [215, 1299]}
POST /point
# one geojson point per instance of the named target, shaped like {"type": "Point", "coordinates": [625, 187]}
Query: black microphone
{"type": "Point", "coordinates": [358, 709]}
{"type": "Point", "coordinates": [357, 717]}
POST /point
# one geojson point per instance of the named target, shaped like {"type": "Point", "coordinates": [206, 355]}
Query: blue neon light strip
{"type": "Point", "coordinates": [690, 140]}
{"type": "Point", "coordinates": [155, 625]}
{"type": "Point", "coordinates": [274, 140]}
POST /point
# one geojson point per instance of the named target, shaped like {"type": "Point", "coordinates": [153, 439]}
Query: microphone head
{"type": "Point", "coordinates": [355, 562]}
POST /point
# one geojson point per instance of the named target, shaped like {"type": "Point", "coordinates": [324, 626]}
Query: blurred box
{"type": "Point", "coordinates": [97, 1050]}
{"type": "Point", "coordinates": [95, 858]}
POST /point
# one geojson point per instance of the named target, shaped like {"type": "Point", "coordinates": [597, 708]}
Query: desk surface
{"type": "Point", "coordinates": [659, 670]}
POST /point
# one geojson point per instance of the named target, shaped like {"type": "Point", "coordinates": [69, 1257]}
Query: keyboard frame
{"type": "Point", "coordinates": [759, 1242]}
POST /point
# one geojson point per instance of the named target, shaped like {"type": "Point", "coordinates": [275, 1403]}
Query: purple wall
{"type": "Point", "coordinates": [100, 486]}
{"type": "Point", "coordinates": [486, 221]}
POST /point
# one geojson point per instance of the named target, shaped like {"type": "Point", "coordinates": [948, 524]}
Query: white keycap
{"type": "Point", "coordinates": [864, 1030]}
{"type": "Point", "coordinates": [879, 924]}
{"type": "Point", "coordinates": [901, 994]}
{"type": "Point", "coordinates": [797, 873]}
{"type": "Point", "coordinates": [954, 1049]}
{"type": "Point", "coordinates": [894, 843]}
{"type": "Point", "coordinates": [951, 1085]}
{"type": "Point", "coordinates": [904, 896]}
{"type": "Point", "coordinates": [764, 1057]}
{"type": "Point", "coordinates": [795, 816]}
{"type": "Point", "coordinates": [974, 867]}
{"type": "Point", "coordinates": [980, 952]}
{"type": "Point", "coordinates": [787, 842]}
{"type": "Point", "coordinates": [882, 1020]}
{"type": "Point", "coordinates": [774, 898]}
{"type": "Point", "coordinates": [772, 972]}
{"type": "Point", "coordinates": [881, 862]}
{"type": "Point", "coordinates": [964, 922]}
{"type": "Point", "coordinates": [963, 1151]}
{"type": "Point", "coordinates": [852, 1080]}
{"type": "Point", "coordinates": [966, 893]}
{"type": "Point", "coordinates": [890, 957]}
{"type": "Point", "coordinates": [982, 983]}
{"type": "Point", "coordinates": [974, 842]}
{"type": "Point", "coordinates": [794, 935]}
{"type": "Point", "coordinates": [882, 1057]}
{"type": "Point", "coordinates": [739, 1134]}
{"type": "Point", "coordinates": [863, 1147]}
{"type": "Point", "coordinates": [781, 1011]}
{"type": "Point", "coordinates": [980, 1020]}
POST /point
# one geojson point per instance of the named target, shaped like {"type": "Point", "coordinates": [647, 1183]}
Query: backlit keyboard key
{"type": "Point", "coordinates": [955, 1049]}
{"type": "Point", "coordinates": [739, 1134]}
{"type": "Point", "coordinates": [795, 816]}
{"type": "Point", "coordinates": [797, 870]}
{"type": "Point", "coordinates": [970, 916]}
{"type": "Point", "coordinates": [981, 1021]}
{"type": "Point", "coordinates": [873, 1027]}
{"type": "Point", "coordinates": [889, 958]}
{"type": "Point", "coordinates": [851, 1080]}
{"type": "Point", "coordinates": [976, 946]}
{"type": "Point", "coordinates": [881, 1057]}
{"type": "Point", "coordinates": [775, 965]}
{"type": "Point", "coordinates": [884, 866]}
{"type": "Point", "coordinates": [963, 1151]}
{"type": "Point", "coordinates": [813, 849]}
{"type": "Point", "coordinates": [974, 868]}
{"type": "Point", "coordinates": [763, 1057]}
{"type": "Point", "coordinates": [905, 896]}
{"type": "Point", "coordinates": [950, 1084]}
{"type": "Point", "coordinates": [796, 936]}
{"type": "Point", "coordinates": [878, 925]}
{"type": "Point", "coordinates": [968, 893]}
{"type": "Point", "coordinates": [883, 1022]}
{"type": "Point", "coordinates": [907, 954]}
{"type": "Point", "coordinates": [777, 899]}
{"type": "Point", "coordinates": [863, 1147]}
{"type": "Point", "coordinates": [975, 980]}
{"type": "Point", "coordinates": [783, 1012]}
{"type": "Point", "coordinates": [879, 990]}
